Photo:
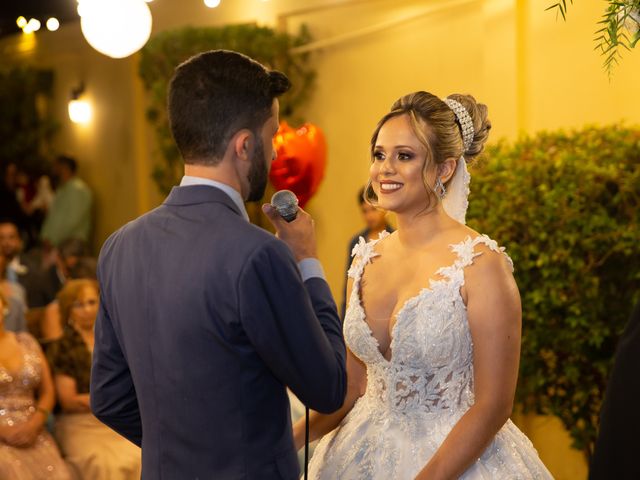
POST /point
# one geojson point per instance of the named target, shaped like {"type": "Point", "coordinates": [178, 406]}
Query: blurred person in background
{"type": "Point", "coordinates": [70, 213]}
{"type": "Point", "coordinates": [11, 247]}
{"type": "Point", "coordinates": [21, 269]}
{"type": "Point", "coordinates": [27, 451]}
{"type": "Point", "coordinates": [42, 201]}
{"type": "Point", "coordinates": [14, 303]}
{"type": "Point", "coordinates": [73, 263]}
{"type": "Point", "coordinates": [35, 196]}
{"type": "Point", "coordinates": [375, 220]}
{"type": "Point", "coordinates": [616, 450]}
{"type": "Point", "coordinates": [9, 205]}
{"type": "Point", "coordinates": [25, 188]}
{"type": "Point", "coordinates": [96, 451]}
{"type": "Point", "coordinates": [54, 275]}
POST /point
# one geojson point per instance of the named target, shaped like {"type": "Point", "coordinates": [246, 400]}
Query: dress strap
{"type": "Point", "coordinates": [466, 250]}
{"type": "Point", "coordinates": [363, 252]}
{"type": "Point", "coordinates": [28, 341]}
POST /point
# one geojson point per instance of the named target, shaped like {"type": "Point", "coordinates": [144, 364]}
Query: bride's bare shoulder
{"type": "Point", "coordinates": [385, 241]}
{"type": "Point", "coordinates": [464, 231]}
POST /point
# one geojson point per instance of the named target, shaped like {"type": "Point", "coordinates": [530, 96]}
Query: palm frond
{"type": "Point", "coordinates": [560, 8]}
{"type": "Point", "coordinates": [614, 33]}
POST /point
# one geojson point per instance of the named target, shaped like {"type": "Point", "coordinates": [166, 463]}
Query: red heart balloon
{"type": "Point", "coordinates": [301, 157]}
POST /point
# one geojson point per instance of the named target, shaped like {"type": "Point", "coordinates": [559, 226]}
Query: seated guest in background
{"type": "Point", "coordinates": [20, 269]}
{"type": "Point", "coordinates": [376, 222]}
{"type": "Point", "coordinates": [70, 213]}
{"type": "Point", "coordinates": [86, 268]}
{"type": "Point", "coordinates": [27, 451]}
{"type": "Point", "coordinates": [15, 306]}
{"type": "Point", "coordinates": [94, 449]}
{"type": "Point", "coordinates": [11, 247]}
{"type": "Point", "coordinates": [69, 254]}
{"type": "Point", "coordinates": [51, 281]}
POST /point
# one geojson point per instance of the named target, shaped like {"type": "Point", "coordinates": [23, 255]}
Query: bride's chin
{"type": "Point", "coordinates": [387, 205]}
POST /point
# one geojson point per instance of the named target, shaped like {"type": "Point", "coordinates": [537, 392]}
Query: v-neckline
{"type": "Point", "coordinates": [430, 288]}
{"type": "Point", "coordinates": [23, 365]}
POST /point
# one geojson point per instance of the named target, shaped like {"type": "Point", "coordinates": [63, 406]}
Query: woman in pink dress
{"type": "Point", "coordinates": [27, 451]}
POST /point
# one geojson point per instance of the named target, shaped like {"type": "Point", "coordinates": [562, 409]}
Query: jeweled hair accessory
{"type": "Point", "coordinates": [464, 119]}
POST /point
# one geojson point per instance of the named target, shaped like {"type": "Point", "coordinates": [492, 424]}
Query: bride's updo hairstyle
{"type": "Point", "coordinates": [437, 128]}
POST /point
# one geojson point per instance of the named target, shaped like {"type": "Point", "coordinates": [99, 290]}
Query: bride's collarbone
{"type": "Point", "coordinates": [392, 280]}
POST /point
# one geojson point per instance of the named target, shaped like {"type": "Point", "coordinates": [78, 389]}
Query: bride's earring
{"type": "Point", "coordinates": [440, 189]}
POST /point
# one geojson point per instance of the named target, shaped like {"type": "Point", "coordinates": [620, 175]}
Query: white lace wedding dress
{"type": "Point", "coordinates": [413, 400]}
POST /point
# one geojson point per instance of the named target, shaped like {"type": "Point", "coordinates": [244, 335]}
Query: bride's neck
{"type": "Point", "coordinates": [415, 229]}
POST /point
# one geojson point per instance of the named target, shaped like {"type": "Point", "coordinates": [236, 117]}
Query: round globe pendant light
{"type": "Point", "coordinates": [116, 28]}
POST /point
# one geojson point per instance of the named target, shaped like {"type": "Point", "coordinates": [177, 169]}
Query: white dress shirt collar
{"type": "Point", "coordinates": [188, 181]}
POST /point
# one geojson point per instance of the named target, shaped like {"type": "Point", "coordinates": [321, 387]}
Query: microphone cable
{"type": "Point", "coordinates": [306, 442]}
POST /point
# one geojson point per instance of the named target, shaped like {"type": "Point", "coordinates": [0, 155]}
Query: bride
{"type": "Point", "coordinates": [433, 318]}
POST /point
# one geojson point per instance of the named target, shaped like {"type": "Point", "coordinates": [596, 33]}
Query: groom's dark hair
{"type": "Point", "coordinates": [213, 95]}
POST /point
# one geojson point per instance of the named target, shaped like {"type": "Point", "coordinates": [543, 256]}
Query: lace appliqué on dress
{"type": "Point", "coordinates": [363, 252]}
{"type": "Point", "coordinates": [415, 398]}
{"type": "Point", "coordinates": [466, 250]}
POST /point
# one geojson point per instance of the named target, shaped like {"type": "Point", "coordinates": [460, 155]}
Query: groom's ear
{"type": "Point", "coordinates": [242, 144]}
{"type": "Point", "coordinates": [448, 168]}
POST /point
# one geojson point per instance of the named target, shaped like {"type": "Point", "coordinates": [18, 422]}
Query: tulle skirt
{"type": "Point", "coordinates": [375, 443]}
{"type": "Point", "coordinates": [95, 451]}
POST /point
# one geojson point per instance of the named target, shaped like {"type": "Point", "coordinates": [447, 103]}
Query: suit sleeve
{"type": "Point", "coordinates": [294, 327]}
{"type": "Point", "coordinates": [112, 394]}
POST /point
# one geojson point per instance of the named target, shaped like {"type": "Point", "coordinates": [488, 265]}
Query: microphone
{"type": "Point", "coordinates": [286, 204]}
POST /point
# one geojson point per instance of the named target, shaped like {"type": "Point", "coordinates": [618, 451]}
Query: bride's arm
{"type": "Point", "coordinates": [495, 316]}
{"type": "Point", "coordinates": [321, 424]}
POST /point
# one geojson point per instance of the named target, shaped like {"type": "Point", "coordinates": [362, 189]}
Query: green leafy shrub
{"type": "Point", "coordinates": [24, 126]}
{"type": "Point", "coordinates": [567, 207]}
{"type": "Point", "coordinates": [167, 50]}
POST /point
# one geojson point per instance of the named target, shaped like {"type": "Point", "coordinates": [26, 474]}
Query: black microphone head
{"type": "Point", "coordinates": [286, 203]}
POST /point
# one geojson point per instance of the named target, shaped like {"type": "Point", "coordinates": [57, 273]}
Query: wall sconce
{"type": "Point", "coordinates": [79, 110]}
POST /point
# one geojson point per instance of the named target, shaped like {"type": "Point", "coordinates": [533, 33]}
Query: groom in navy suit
{"type": "Point", "coordinates": [204, 318]}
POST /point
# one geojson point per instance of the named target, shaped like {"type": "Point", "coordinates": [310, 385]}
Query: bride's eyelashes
{"type": "Point", "coordinates": [404, 156]}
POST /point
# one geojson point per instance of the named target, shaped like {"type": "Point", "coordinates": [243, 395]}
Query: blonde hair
{"type": "Point", "coordinates": [437, 128]}
{"type": "Point", "coordinates": [70, 293]}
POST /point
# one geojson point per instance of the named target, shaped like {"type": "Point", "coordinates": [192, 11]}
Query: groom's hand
{"type": "Point", "coordinates": [298, 234]}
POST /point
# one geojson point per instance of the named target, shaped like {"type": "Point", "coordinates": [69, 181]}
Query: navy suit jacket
{"type": "Point", "coordinates": [204, 320]}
